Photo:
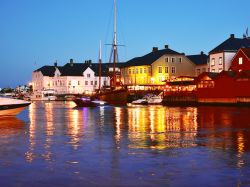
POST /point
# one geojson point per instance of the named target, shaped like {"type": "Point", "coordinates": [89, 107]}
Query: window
{"type": "Point", "coordinates": [104, 82]}
{"type": "Point", "coordinates": [198, 71]}
{"type": "Point", "coordinates": [213, 70]}
{"type": "Point", "coordinates": [79, 83]}
{"type": "Point", "coordinates": [240, 61]}
{"type": "Point", "coordinates": [95, 82]}
{"type": "Point", "coordinates": [69, 83]}
{"type": "Point", "coordinates": [133, 71]}
{"type": "Point", "coordinates": [136, 70]}
{"type": "Point", "coordinates": [203, 69]}
{"type": "Point", "coordinates": [141, 70]}
{"type": "Point", "coordinates": [173, 70]}
{"type": "Point", "coordinates": [220, 69]}
{"type": "Point", "coordinates": [212, 62]}
{"type": "Point", "coordinates": [86, 82]}
{"type": "Point", "coordinates": [180, 59]}
{"type": "Point", "coordinates": [173, 59]}
{"type": "Point", "coordinates": [166, 59]}
{"type": "Point", "coordinates": [166, 69]}
{"type": "Point", "coordinates": [159, 69]}
{"type": "Point", "coordinates": [144, 70]}
{"type": "Point", "coordinates": [149, 70]}
{"type": "Point", "coordinates": [88, 75]}
{"type": "Point", "coordinates": [129, 71]}
{"type": "Point", "coordinates": [220, 61]}
{"type": "Point", "coordinates": [92, 82]}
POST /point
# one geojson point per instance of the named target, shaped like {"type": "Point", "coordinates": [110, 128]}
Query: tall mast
{"type": "Point", "coordinates": [100, 64]}
{"type": "Point", "coordinates": [114, 47]}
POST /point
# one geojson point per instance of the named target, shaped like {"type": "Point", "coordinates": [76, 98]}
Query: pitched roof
{"type": "Point", "coordinates": [47, 70]}
{"type": "Point", "coordinates": [149, 58]}
{"type": "Point", "coordinates": [75, 69]}
{"type": "Point", "coordinates": [246, 51]}
{"type": "Point", "coordinates": [231, 44]}
{"type": "Point", "coordinates": [200, 59]}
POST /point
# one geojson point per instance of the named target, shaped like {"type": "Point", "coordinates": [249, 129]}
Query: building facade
{"type": "Point", "coordinates": [241, 60]}
{"type": "Point", "coordinates": [156, 67]}
{"type": "Point", "coordinates": [201, 62]}
{"type": "Point", "coordinates": [221, 56]}
{"type": "Point", "coordinates": [72, 78]}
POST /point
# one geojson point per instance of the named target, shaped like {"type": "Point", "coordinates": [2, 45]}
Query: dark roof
{"type": "Point", "coordinates": [232, 44]}
{"type": "Point", "coordinates": [200, 59]}
{"type": "Point", "coordinates": [246, 51]}
{"type": "Point", "coordinates": [149, 58]}
{"type": "Point", "coordinates": [47, 70]}
{"type": "Point", "coordinates": [75, 69]}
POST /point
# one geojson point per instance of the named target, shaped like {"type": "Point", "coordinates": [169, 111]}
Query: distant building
{"type": "Point", "coordinates": [220, 57]}
{"type": "Point", "coordinates": [241, 60]}
{"type": "Point", "coordinates": [201, 62]}
{"type": "Point", "coordinates": [72, 78]}
{"type": "Point", "coordinates": [156, 67]}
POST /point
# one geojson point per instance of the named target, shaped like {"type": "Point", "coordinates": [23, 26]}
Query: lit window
{"type": "Point", "coordinates": [173, 70]}
{"type": "Point", "coordinates": [159, 69]}
{"type": "Point", "coordinates": [213, 62]}
{"type": "Point", "coordinates": [220, 61]}
{"type": "Point", "coordinates": [213, 70]}
{"type": "Point", "coordinates": [166, 69]}
{"type": "Point", "coordinates": [240, 61]}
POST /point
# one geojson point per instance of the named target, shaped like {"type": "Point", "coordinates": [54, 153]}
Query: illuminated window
{"type": "Point", "coordinates": [166, 69]}
{"type": "Point", "coordinates": [213, 70]}
{"type": "Point", "coordinates": [240, 61]}
{"type": "Point", "coordinates": [220, 61]}
{"type": "Point", "coordinates": [173, 70]}
{"type": "Point", "coordinates": [212, 62]}
{"type": "Point", "coordinates": [159, 69]}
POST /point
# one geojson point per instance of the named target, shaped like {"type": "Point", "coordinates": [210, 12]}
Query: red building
{"type": "Point", "coordinates": [241, 60]}
{"type": "Point", "coordinates": [225, 87]}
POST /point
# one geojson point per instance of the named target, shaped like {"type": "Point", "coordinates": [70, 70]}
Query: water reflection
{"type": "Point", "coordinates": [160, 127]}
{"type": "Point", "coordinates": [10, 126]}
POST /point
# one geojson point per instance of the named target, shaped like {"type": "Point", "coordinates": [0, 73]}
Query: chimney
{"type": "Point", "coordinates": [202, 53]}
{"type": "Point", "coordinates": [231, 35]}
{"type": "Point", "coordinates": [55, 64]}
{"type": "Point", "coordinates": [71, 62]}
{"type": "Point", "coordinates": [155, 49]}
{"type": "Point", "coordinates": [166, 46]}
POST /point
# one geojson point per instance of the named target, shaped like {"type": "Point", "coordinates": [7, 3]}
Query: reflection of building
{"type": "Point", "coordinates": [159, 127]}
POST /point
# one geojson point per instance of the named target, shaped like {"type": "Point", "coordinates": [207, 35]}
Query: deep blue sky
{"type": "Point", "coordinates": [34, 33]}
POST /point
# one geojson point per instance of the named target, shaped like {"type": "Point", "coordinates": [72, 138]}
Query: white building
{"type": "Point", "coordinates": [221, 56]}
{"type": "Point", "coordinates": [72, 78]}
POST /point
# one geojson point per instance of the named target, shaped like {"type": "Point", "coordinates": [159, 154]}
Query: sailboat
{"type": "Point", "coordinates": [117, 95]}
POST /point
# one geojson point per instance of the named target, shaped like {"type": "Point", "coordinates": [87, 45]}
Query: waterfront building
{"type": "Point", "coordinates": [241, 60]}
{"type": "Point", "coordinates": [72, 78]}
{"type": "Point", "coordinates": [221, 56]}
{"type": "Point", "coordinates": [201, 62]}
{"type": "Point", "coordinates": [229, 87]}
{"type": "Point", "coordinates": [153, 69]}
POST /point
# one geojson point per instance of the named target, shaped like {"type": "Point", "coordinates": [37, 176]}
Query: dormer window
{"type": "Point", "coordinates": [240, 61]}
{"type": "Point", "coordinates": [88, 75]}
{"type": "Point", "coordinates": [213, 62]}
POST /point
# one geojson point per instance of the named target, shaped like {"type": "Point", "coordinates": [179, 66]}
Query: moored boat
{"type": "Point", "coordinates": [11, 107]}
{"type": "Point", "coordinates": [88, 102]}
{"type": "Point", "coordinates": [150, 99]}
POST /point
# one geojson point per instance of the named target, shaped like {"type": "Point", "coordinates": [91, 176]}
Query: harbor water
{"type": "Point", "coordinates": [56, 144]}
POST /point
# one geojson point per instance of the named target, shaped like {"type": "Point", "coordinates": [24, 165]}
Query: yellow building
{"type": "Point", "coordinates": [156, 67]}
